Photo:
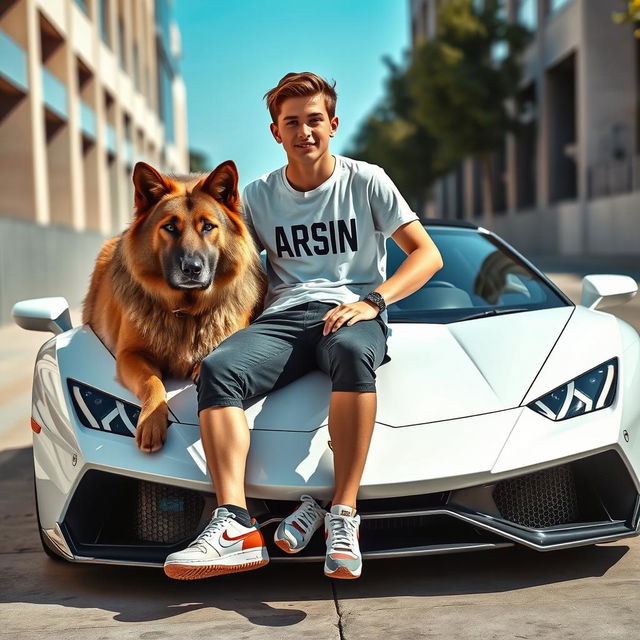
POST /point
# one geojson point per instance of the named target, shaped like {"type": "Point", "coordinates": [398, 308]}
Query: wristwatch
{"type": "Point", "coordinates": [376, 299]}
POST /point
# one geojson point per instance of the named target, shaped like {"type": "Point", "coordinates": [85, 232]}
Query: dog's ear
{"type": "Point", "coordinates": [150, 186]}
{"type": "Point", "coordinates": [222, 184]}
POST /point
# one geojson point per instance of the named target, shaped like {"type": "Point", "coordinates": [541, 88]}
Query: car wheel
{"type": "Point", "coordinates": [54, 555]}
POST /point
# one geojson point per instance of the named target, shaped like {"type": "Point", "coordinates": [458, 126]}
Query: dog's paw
{"type": "Point", "coordinates": [151, 431]}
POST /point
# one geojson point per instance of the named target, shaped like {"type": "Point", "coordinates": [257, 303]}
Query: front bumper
{"type": "Point", "coordinates": [122, 520]}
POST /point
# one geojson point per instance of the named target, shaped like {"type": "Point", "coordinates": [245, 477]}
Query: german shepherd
{"type": "Point", "coordinates": [182, 277]}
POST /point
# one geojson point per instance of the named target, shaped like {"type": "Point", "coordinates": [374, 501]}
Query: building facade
{"type": "Point", "coordinates": [87, 88]}
{"type": "Point", "coordinates": [569, 184]}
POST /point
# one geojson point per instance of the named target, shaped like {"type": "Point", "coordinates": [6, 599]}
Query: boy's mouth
{"type": "Point", "coordinates": [306, 145]}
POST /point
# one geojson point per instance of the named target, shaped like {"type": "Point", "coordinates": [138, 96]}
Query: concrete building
{"type": "Point", "coordinates": [87, 88]}
{"type": "Point", "coordinates": [570, 184]}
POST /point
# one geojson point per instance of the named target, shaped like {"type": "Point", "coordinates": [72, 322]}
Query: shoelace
{"type": "Point", "coordinates": [210, 531]}
{"type": "Point", "coordinates": [343, 533]}
{"type": "Point", "coordinates": [308, 512]}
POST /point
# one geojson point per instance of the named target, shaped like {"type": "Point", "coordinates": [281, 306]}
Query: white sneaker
{"type": "Point", "coordinates": [225, 546]}
{"type": "Point", "coordinates": [343, 559]}
{"type": "Point", "coordinates": [295, 531]}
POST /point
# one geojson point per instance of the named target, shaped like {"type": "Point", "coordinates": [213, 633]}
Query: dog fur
{"type": "Point", "coordinates": [147, 303]}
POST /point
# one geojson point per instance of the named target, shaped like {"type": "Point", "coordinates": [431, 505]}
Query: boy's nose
{"type": "Point", "coordinates": [305, 131]}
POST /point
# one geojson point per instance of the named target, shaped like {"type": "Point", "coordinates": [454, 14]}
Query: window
{"type": "Point", "coordinates": [84, 5]}
{"type": "Point", "coordinates": [556, 5]}
{"type": "Point", "coordinates": [104, 22]}
{"type": "Point", "coordinates": [122, 54]}
{"type": "Point", "coordinates": [480, 275]}
{"type": "Point", "coordinates": [527, 14]}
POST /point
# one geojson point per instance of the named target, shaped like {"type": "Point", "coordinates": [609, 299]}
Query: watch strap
{"type": "Point", "coordinates": [377, 299]}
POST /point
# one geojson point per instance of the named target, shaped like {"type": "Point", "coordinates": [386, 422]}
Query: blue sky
{"type": "Point", "coordinates": [234, 51]}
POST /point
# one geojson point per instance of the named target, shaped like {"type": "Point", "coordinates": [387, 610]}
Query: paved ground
{"type": "Point", "coordinates": [589, 593]}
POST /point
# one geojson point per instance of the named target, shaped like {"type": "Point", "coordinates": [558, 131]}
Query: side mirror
{"type": "Point", "coordinates": [601, 291]}
{"type": "Point", "coordinates": [43, 314]}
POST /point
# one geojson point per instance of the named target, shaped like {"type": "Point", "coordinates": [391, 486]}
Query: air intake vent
{"type": "Point", "coordinates": [166, 514]}
{"type": "Point", "coordinates": [542, 499]}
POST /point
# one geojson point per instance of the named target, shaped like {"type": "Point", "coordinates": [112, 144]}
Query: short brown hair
{"type": "Point", "coordinates": [295, 85]}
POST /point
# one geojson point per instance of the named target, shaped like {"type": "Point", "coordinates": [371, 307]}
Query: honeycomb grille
{"type": "Point", "coordinates": [166, 514]}
{"type": "Point", "coordinates": [542, 499]}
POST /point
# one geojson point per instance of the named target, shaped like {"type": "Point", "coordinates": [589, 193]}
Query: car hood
{"type": "Point", "coordinates": [436, 372]}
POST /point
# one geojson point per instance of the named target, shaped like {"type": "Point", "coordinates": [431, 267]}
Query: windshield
{"type": "Point", "coordinates": [479, 276]}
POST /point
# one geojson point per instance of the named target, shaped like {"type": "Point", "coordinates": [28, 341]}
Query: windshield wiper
{"type": "Point", "coordinates": [491, 312]}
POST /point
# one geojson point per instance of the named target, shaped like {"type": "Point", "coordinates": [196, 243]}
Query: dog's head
{"type": "Point", "coordinates": [189, 233]}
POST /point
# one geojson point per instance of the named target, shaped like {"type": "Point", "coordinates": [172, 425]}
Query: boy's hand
{"type": "Point", "coordinates": [349, 313]}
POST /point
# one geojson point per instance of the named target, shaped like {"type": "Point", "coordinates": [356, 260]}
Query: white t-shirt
{"type": "Point", "coordinates": [327, 244]}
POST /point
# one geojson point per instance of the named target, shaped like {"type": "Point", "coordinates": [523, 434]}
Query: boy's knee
{"type": "Point", "coordinates": [344, 350]}
{"type": "Point", "coordinates": [216, 372]}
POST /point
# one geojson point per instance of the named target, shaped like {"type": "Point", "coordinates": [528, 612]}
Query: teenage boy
{"type": "Point", "coordinates": [322, 220]}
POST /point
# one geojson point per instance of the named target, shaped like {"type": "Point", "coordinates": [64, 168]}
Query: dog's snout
{"type": "Point", "coordinates": [191, 265]}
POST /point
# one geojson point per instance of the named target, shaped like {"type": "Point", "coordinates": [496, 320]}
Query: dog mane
{"type": "Point", "coordinates": [178, 342]}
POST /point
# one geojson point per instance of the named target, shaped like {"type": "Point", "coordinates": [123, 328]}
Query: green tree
{"type": "Point", "coordinates": [391, 138]}
{"type": "Point", "coordinates": [464, 84]}
{"type": "Point", "coordinates": [630, 15]}
{"type": "Point", "coordinates": [198, 161]}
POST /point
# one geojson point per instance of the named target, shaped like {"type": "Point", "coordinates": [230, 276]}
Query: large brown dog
{"type": "Point", "coordinates": [183, 276]}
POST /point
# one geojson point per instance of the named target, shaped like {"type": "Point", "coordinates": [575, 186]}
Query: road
{"type": "Point", "coordinates": [586, 593]}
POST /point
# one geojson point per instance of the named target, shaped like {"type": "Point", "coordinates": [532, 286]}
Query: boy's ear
{"type": "Point", "coordinates": [334, 125]}
{"type": "Point", "coordinates": [150, 186]}
{"type": "Point", "coordinates": [222, 184]}
{"type": "Point", "coordinates": [275, 132]}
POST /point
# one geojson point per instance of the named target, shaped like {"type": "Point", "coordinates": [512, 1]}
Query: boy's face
{"type": "Point", "coordinates": [304, 128]}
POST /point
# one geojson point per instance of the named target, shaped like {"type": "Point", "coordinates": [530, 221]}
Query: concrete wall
{"type": "Point", "coordinates": [530, 231]}
{"type": "Point", "coordinates": [38, 261]}
{"type": "Point", "coordinates": [613, 225]}
{"type": "Point", "coordinates": [607, 226]}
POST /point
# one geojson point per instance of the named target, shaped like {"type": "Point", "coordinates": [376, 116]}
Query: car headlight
{"type": "Point", "coordinates": [97, 410]}
{"type": "Point", "coordinates": [591, 391]}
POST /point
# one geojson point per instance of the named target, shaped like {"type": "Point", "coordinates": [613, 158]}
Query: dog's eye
{"type": "Point", "coordinates": [171, 228]}
{"type": "Point", "coordinates": [208, 226]}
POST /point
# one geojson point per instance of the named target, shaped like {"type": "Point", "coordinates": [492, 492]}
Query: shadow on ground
{"type": "Point", "coordinates": [268, 597]}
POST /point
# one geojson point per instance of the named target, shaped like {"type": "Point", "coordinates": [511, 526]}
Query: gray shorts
{"type": "Point", "coordinates": [281, 347]}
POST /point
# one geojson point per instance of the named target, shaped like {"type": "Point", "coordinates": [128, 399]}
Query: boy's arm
{"type": "Point", "coordinates": [422, 262]}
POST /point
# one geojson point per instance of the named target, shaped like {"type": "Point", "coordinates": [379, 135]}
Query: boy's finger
{"type": "Point", "coordinates": [344, 318]}
{"type": "Point", "coordinates": [330, 324]}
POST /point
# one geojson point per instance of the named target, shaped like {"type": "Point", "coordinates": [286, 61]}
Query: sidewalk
{"type": "Point", "coordinates": [18, 349]}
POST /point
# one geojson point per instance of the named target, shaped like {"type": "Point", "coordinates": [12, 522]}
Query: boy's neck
{"type": "Point", "coordinates": [307, 176]}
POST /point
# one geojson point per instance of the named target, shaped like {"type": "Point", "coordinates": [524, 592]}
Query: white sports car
{"type": "Point", "coordinates": [507, 414]}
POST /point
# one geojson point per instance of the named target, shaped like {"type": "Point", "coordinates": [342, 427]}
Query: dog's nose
{"type": "Point", "coordinates": [191, 266]}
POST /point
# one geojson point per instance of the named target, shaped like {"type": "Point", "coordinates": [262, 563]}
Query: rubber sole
{"type": "Point", "coordinates": [190, 572]}
{"type": "Point", "coordinates": [285, 546]}
{"type": "Point", "coordinates": [342, 573]}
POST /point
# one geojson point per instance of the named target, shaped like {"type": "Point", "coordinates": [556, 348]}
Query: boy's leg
{"type": "Point", "coordinates": [225, 440]}
{"type": "Point", "coordinates": [266, 355]}
{"type": "Point", "coordinates": [349, 356]}
{"type": "Point", "coordinates": [351, 420]}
